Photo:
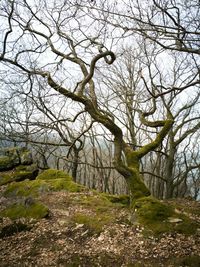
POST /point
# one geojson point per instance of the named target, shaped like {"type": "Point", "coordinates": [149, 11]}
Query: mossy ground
{"type": "Point", "coordinates": [148, 212]}
{"type": "Point", "coordinates": [123, 200]}
{"type": "Point", "coordinates": [97, 211]}
{"type": "Point", "coordinates": [187, 261]}
{"type": "Point", "coordinates": [184, 205]}
{"type": "Point", "coordinates": [96, 233]}
{"type": "Point", "coordinates": [94, 223]}
{"type": "Point", "coordinates": [154, 216]}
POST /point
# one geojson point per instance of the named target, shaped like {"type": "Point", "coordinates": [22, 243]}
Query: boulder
{"type": "Point", "coordinates": [6, 163]}
{"type": "Point", "coordinates": [26, 209]}
{"type": "Point", "coordinates": [12, 157]}
{"type": "Point", "coordinates": [16, 164]}
{"type": "Point", "coordinates": [9, 158]}
{"type": "Point", "coordinates": [58, 181]}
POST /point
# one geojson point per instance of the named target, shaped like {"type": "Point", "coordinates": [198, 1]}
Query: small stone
{"type": "Point", "coordinates": [101, 238]}
{"type": "Point", "coordinates": [174, 220]}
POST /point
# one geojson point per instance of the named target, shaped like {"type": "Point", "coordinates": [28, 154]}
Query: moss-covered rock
{"type": "Point", "coordinates": [151, 209]}
{"type": "Point", "coordinates": [154, 216]}
{"type": "Point", "coordinates": [14, 156]}
{"type": "Point", "coordinates": [6, 163]}
{"type": "Point", "coordinates": [20, 173]}
{"type": "Point", "coordinates": [62, 184]}
{"type": "Point", "coordinates": [58, 181]}
{"type": "Point", "coordinates": [34, 210]}
{"type": "Point", "coordinates": [26, 188]}
{"type": "Point", "coordinates": [16, 176]}
{"type": "Point", "coordinates": [32, 169]}
{"type": "Point", "coordinates": [54, 174]}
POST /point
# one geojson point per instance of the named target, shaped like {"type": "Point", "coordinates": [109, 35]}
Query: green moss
{"type": "Point", "coordinates": [167, 124]}
{"type": "Point", "coordinates": [190, 261]}
{"type": "Point", "coordinates": [136, 185]}
{"type": "Point", "coordinates": [36, 210]}
{"type": "Point", "coordinates": [4, 178]}
{"type": "Point", "coordinates": [16, 176]}
{"type": "Point", "coordinates": [5, 163]}
{"type": "Point", "coordinates": [151, 209]}
{"type": "Point", "coordinates": [38, 186]}
{"type": "Point", "coordinates": [26, 188]}
{"type": "Point", "coordinates": [64, 184]}
{"type": "Point", "coordinates": [25, 157]}
{"type": "Point", "coordinates": [22, 175]}
{"type": "Point", "coordinates": [133, 159]}
{"type": "Point", "coordinates": [187, 226]}
{"type": "Point", "coordinates": [118, 199]}
{"type": "Point", "coordinates": [190, 207]}
{"type": "Point", "coordinates": [94, 223]}
{"type": "Point", "coordinates": [19, 174]}
{"type": "Point", "coordinates": [154, 216]}
{"type": "Point", "coordinates": [100, 204]}
{"type": "Point", "coordinates": [97, 202]}
{"type": "Point", "coordinates": [53, 174]}
{"type": "Point", "coordinates": [102, 211]}
{"type": "Point", "coordinates": [29, 168]}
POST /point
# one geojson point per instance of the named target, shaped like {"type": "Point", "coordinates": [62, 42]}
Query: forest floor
{"type": "Point", "coordinates": [81, 230]}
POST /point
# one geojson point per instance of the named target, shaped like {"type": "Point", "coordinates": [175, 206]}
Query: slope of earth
{"type": "Point", "coordinates": [87, 229]}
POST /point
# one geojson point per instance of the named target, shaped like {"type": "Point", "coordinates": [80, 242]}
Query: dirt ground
{"type": "Point", "coordinates": [61, 241]}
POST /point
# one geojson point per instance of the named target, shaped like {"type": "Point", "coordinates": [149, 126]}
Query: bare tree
{"type": "Point", "coordinates": [44, 41]}
{"type": "Point", "coordinates": [165, 174]}
{"type": "Point", "coordinates": [63, 52]}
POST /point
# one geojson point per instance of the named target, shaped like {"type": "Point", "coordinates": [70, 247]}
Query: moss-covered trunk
{"type": "Point", "coordinates": [136, 185]}
{"type": "Point", "coordinates": [135, 180]}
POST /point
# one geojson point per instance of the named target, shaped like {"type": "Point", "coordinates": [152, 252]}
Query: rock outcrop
{"type": "Point", "coordinates": [16, 164]}
{"type": "Point", "coordinates": [23, 185]}
{"type": "Point", "coordinates": [15, 156]}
